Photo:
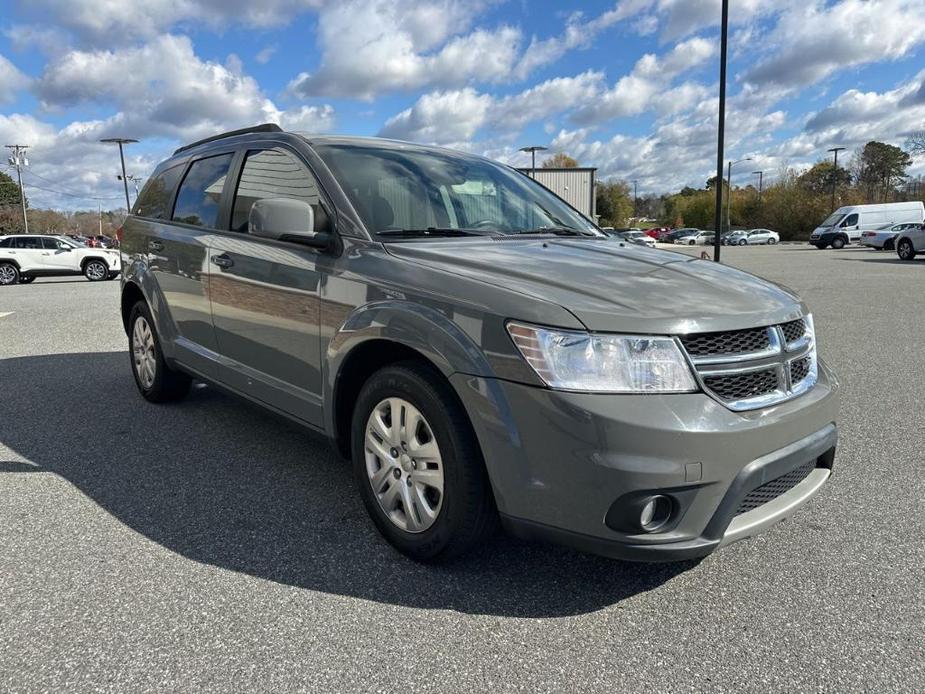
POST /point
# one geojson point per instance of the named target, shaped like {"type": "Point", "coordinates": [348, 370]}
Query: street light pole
{"type": "Point", "coordinates": [836, 150]}
{"type": "Point", "coordinates": [19, 160]}
{"type": "Point", "coordinates": [729, 191]}
{"type": "Point", "coordinates": [122, 141]}
{"type": "Point", "coordinates": [533, 149]}
{"type": "Point", "coordinates": [718, 225]}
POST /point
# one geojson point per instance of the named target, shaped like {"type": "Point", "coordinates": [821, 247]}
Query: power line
{"type": "Point", "coordinates": [70, 193]}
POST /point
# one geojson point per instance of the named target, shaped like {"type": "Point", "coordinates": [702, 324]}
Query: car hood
{"type": "Point", "coordinates": [614, 287]}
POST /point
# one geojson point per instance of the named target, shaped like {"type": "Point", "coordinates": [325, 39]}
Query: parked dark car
{"type": "Point", "coordinates": [478, 349]}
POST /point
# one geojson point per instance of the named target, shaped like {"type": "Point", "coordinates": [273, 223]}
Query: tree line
{"type": "Point", "coordinates": [46, 221]}
{"type": "Point", "coordinates": [791, 202]}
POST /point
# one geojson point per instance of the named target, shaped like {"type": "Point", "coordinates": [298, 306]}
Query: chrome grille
{"type": "Point", "coordinates": [740, 386]}
{"type": "Point", "coordinates": [799, 369]}
{"type": "Point", "coordinates": [773, 489]}
{"type": "Point", "coordinates": [755, 367]}
{"type": "Point", "coordinates": [793, 330]}
{"type": "Point", "coordinates": [732, 342]}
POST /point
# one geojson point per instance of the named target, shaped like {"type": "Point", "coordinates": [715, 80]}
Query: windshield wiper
{"type": "Point", "coordinates": [559, 231]}
{"type": "Point", "coordinates": [436, 231]}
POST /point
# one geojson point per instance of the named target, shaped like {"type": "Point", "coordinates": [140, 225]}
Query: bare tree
{"type": "Point", "coordinates": [915, 143]}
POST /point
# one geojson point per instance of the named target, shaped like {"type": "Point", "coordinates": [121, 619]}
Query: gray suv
{"type": "Point", "coordinates": [479, 350]}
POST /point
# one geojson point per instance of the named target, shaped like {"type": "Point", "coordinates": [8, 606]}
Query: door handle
{"type": "Point", "coordinates": [155, 245]}
{"type": "Point", "coordinates": [222, 260]}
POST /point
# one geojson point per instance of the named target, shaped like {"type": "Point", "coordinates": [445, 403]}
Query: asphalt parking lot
{"type": "Point", "coordinates": [209, 545]}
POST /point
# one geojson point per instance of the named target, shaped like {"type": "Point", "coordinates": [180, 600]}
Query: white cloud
{"type": "Point", "coordinates": [11, 80]}
{"type": "Point", "coordinates": [117, 20]}
{"type": "Point", "coordinates": [451, 116]}
{"type": "Point", "coordinates": [814, 40]}
{"type": "Point", "coordinates": [163, 89]}
{"type": "Point", "coordinates": [635, 93]}
{"type": "Point", "coordinates": [263, 56]}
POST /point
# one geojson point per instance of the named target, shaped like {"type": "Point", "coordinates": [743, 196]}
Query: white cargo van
{"type": "Point", "coordinates": [845, 224]}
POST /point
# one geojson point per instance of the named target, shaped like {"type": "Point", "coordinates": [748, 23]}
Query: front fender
{"type": "Point", "coordinates": [416, 326]}
{"type": "Point", "coordinates": [136, 273]}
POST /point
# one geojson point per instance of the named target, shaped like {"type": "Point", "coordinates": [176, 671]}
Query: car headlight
{"type": "Point", "coordinates": [602, 363]}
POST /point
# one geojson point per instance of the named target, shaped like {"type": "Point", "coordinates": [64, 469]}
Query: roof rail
{"type": "Point", "coordinates": [264, 128]}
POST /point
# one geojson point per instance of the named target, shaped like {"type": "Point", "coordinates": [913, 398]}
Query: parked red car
{"type": "Point", "coordinates": [656, 232]}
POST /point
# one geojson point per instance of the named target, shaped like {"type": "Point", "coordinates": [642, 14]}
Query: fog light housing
{"type": "Point", "coordinates": [655, 513]}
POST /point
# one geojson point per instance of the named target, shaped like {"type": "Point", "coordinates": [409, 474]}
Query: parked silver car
{"type": "Point", "coordinates": [476, 348]}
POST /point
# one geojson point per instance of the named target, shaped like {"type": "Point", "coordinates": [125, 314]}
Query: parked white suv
{"type": "Point", "coordinates": [23, 257]}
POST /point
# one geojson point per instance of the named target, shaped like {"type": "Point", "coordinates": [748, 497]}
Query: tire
{"type": "Point", "coordinates": [95, 270]}
{"type": "Point", "coordinates": [165, 384]}
{"type": "Point", "coordinates": [772, 241]}
{"type": "Point", "coordinates": [743, 242]}
{"type": "Point", "coordinates": [442, 526]}
{"type": "Point", "coordinates": [905, 250]}
{"type": "Point", "coordinates": [26, 280]}
{"type": "Point", "coordinates": [838, 243]}
{"type": "Point", "coordinates": [888, 245]}
{"type": "Point", "coordinates": [9, 274]}
{"type": "Point", "coordinates": [821, 246]}
{"type": "Point", "coordinates": [691, 243]}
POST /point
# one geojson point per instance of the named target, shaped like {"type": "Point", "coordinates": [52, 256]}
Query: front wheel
{"type": "Point", "coordinates": [418, 464]}
{"type": "Point", "coordinates": [156, 381]}
{"type": "Point", "coordinates": [9, 274]}
{"type": "Point", "coordinates": [905, 250]}
{"type": "Point", "coordinates": [96, 270]}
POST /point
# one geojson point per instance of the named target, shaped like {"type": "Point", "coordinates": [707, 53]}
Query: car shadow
{"type": "Point", "coordinates": [222, 482]}
{"type": "Point", "coordinates": [881, 259]}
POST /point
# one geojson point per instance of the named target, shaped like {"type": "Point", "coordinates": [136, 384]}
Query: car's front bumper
{"type": "Point", "coordinates": [563, 466]}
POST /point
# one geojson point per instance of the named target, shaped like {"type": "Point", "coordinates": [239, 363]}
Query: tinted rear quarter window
{"type": "Point", "coordinates": [201, 191]}
{"type": "Point", "coordinates": [6, 243]}
{"type": "Point", "coordinates": [154, 200]}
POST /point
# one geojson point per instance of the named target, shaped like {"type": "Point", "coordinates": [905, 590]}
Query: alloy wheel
{"type": "Point", "coordinates": [7, 274]}
{"type": "Point", "coordinates": [404, 465]}
{"type": "Point", "coordinates": [143, 352]}
{"type": "Point", "coordinates": [95, 270]}
{"type": "Point", "coordinates": [905, 250]}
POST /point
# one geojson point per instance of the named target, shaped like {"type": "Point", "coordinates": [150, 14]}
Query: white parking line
{"type": "Point", "coordinates": [4, 314]}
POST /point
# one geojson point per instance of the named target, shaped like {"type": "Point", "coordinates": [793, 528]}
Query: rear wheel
{"type": "Point", "coordinates": [418, 464]}
{"type": "Point", "coordinates": [888, 245]}
{"type": "Point", "coordinates": [905, 250]}
{"type": "Point", "coordinates": [9, 274]}
{"type": "Point", "coordinates": [96, 270]}
{"type": "Point", "coordinates": [838, 243]}
{"type": "Point", "coordinates": [156, 381]}
{"type": "Point", "coordinates": [772, 241]}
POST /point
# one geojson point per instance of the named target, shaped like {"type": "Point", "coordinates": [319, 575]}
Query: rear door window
{"type": "Point", "coordinates": [154, 200]}
{"type": "Point", "coordinates": [200, 194]}
{"type": "Point", "coordinates": [27, 242]}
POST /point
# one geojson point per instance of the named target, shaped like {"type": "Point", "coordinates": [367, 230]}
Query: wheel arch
{"type": "Point", "coordinates": [377, 335]}
{"type": "Point", "coordinates": [13, 262]}
{"type": "Point", "coordinates": [87, 259]}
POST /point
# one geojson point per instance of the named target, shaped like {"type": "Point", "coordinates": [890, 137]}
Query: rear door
{"type": "Point", "coordinates": [29, 253]}
{"type": "Point", "coordinates": [265, 294]}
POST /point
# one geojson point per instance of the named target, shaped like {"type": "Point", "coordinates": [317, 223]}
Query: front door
{"type": "Point", "coordinates": [265, 294]}
{"type": "Point", "coordinates": [59, 256]}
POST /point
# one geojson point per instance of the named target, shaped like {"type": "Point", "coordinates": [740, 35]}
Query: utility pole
{"type": "Point", "coordinates": [836, 150]}
{"type": "Point", "coordinates": [533, 149]}
{"type": "Point", "coordinates": [134, 179]}
{"type": "Point", "coordinates": [122, 141]}
{"type": "Point", "coordinates": [760, 175]}
{"type": "Point", "coordinates": [100, 208]}
{"type": "Point", "coordinates": [718, 225]}
{"type": "Point", "coordinates": [18, 159]}
{"type": "Point", "coordinates": [635, 202]}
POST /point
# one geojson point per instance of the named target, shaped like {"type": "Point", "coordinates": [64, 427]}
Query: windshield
{"type": "Point", "coordinates": [414, 188]}
{"type": "Point", "coordinates": [832, 220]}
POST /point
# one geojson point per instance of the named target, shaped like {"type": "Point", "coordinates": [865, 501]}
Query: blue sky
{"type": "Point", "coordinates": [627, 86]}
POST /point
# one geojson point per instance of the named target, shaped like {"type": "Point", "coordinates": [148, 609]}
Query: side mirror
{"type": "Point", "coordinates": [286, 219]}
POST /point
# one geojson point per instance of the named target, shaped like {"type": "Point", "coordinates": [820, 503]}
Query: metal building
{"type": "Point", "coordinates": [575, 186]}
